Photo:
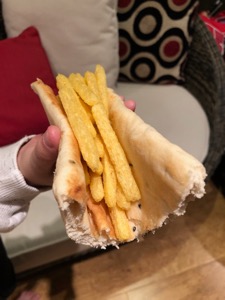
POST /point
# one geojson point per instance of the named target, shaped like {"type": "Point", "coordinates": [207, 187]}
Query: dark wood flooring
{"type": "Point", "coordinates": [183, 260]}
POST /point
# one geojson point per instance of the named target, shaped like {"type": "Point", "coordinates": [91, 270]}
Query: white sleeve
{"type": "Point", "coordinates": [15, 194]}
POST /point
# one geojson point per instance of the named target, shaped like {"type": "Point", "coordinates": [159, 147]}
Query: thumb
{"type": "Point", "coordinates": [36, 159]}
{"type": "Point", "coordinates": [46, 146]}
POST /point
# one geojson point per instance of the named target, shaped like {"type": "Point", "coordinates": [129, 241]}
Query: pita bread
{"type": "Point", "coordinates": [167, 176]}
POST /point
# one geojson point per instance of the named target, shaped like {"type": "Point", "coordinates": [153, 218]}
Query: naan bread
{"type": "Point", "coordinates": [167, 176]}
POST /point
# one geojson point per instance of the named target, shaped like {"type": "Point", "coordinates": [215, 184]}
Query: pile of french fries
{"type": "Point", "coordinates": [108, 173]}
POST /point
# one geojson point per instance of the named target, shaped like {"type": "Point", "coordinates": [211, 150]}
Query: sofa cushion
{"type": "Point", "coordinates": [76, 35]}
{"type": "Point", "coordinates": [22, 60]}
{"type": "Point", "coordinates": [174, 112]}
{"type": "Point", "coordinates": [154, 37]}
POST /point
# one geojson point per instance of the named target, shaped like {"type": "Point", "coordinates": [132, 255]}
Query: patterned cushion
{"type": "Point", "coordinates": [154, 37]}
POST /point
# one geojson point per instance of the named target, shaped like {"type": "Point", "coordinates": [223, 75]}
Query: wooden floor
{"type": "Point", "coordinates": [183, 260]}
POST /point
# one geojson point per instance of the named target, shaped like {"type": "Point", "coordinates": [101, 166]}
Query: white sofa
{"type": "Point", "coordinates": [174, 110]}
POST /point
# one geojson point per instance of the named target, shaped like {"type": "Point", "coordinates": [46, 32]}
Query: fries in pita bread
{"type": "Point", "coordinates": [118, 178]}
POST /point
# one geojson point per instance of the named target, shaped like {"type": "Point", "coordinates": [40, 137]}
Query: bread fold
{"type": "Point", "coordinates": [167, 176]}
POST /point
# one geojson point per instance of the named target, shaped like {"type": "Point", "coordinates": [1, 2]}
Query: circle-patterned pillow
{"type": "Point", "coordinates": [154, 37]}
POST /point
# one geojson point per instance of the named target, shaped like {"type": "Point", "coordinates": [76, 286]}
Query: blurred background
{"type": "Point", "coordinates": [208, 4]}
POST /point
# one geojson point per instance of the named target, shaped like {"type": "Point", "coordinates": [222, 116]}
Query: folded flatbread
{"type": "Point", "coordinates": [167, 176]}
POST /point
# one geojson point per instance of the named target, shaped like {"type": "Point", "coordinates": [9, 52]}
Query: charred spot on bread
{"type": "Point", "coordinates": [78, 189]}
{"type": "Point", "coordinates": [71, 161]}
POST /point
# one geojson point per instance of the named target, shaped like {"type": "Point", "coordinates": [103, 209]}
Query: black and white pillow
{"type": "Point", "coordinates": [154, 37]}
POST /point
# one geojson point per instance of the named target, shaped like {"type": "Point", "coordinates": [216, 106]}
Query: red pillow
{"type": "Point", "coordinates": [23, 59]}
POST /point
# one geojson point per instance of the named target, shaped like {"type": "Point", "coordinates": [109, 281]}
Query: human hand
{"type": "Point", "coordinates": [36, 159]}
{"type": "Point", "coordinates": [131, 104]}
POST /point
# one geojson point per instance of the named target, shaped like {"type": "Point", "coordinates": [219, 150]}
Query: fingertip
{"type": "Point", "coordinates": [54, 131]}
{"type": "Point", "coordinates": [52, 136]}
{"type": "Point", "coordinates": [131, 104]}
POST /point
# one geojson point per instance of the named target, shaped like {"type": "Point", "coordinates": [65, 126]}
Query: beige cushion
{"type": "Point", "coordinates": [76, 36]}
{"type": "Point", "coordinates": [174, 112]}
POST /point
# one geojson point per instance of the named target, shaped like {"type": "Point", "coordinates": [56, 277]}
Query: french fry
{"type": "Point", "coordinates": [121, 200]}
{"type": "Point", "coordinates": [99, 145]}
{"type": "Point", "coordinates": [92, 83]}
{"type": "Point", "coordinates": [121, 224]}
{"type": "Point", "coordinates": [96, 187]}
{"type": "Point", "coordinates": [116, 154]}
{"type": "Point", "coordinates": [73, 108]}
{"type": "Point", "coordinates": [63, 82]}
{"type": "Point", "coordinates": [82, 89]}
{"type": "Point", "coordinates": [87, 108]}
{"type": "Point", "coordinates": [86, 172]}
{"type": "Point", "coordinates": [102, 86]}
{"type": "Point", "coordinates": [109, 181]}
{"type": "Point", "coordinates": [100, 215]}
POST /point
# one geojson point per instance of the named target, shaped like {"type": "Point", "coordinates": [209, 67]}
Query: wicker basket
{"type": "Point", "coordinates": [204, 74]}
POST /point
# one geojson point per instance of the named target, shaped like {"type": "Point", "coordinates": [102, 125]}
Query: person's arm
{"type": "Point", "coordinates": [15, 194]}
{"type": "Point", "coordinates": [26, 168]}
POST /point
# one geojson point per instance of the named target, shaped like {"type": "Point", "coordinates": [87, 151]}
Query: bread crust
{"type": "Point", "coordinates": [167, 176]}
